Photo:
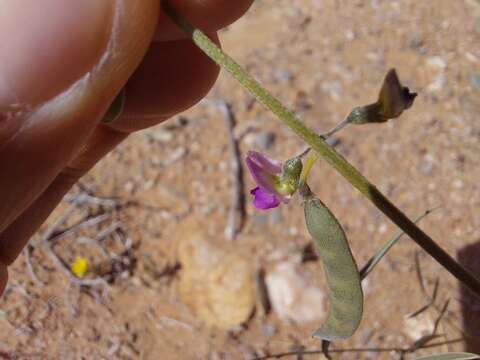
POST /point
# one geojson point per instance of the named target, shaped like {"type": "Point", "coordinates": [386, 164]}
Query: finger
{"type": "Point", "coordinates": [193, 75]}
{"type": "Point", "coordinates": [191, 66]}
{"type": "Point", "coordinates": [15, 237]}
{"type": "Point", "coordinates": [54, 129]}
{"type": "Point", "coordinates": [173, 76]}
{"type": "Point", "coordinates": [208, 15]}
{"type": "Point", "coordinates": [62, 46]}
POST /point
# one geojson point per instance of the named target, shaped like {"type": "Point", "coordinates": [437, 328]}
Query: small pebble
{"type": "Point", "coordinates": [276, 216]}
{"type": "Point", "coordinates": [475, 81]}
{"type": "Point", "coordinates": [349, 35]}
{"type": "Point", "coordinates": [382, 229]}
{"type": "Point", "coordinates": [333, 141]}
{"type": "Point", "coordinates": [176, 155]}
{"type": "Point", "coordinates": [159, 135]}
{"type": "Point", "coordinates": [269, 329]}
{"type": "Point", "coordinates": [438, 83]}
{"type": "Point", "coordinates": [332, 88]}
{"type": "Point", "coordinates": [283, 75]}
{"type": "Point", "coordinates": [292, 298]}
{"type": "Point", "coordinates": [427, 164]}
{"type": "Point", "coordinates": [415, 42]}
{"type": "Point", "coordinates": [458, 184]}
{"type": "Point", "coordinates": [265, 140]}
{"type": "Point", "coordinates": [437, 62]}
{"type": "Point", "coordinates": [260, 219]}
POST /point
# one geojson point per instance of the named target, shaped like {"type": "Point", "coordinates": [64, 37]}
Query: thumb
{"type": "Point", "coordinates": [63, 62]}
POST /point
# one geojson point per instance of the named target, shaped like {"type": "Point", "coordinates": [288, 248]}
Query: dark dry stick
{"type": "Point", "coordinates": [86, 222]}
{"type": "Point", "coordinates": [28, 251]}
{"type": "Point", "coordinates": [54, 228]}
{"type": "Point", "coordinates": [430, 300]}
{"type": "Point", "coordinates": [236, 215]}
{"type": "Point", "coordinates": [438, 309]}
{"type": "Point", "coordinates": [398, 350]}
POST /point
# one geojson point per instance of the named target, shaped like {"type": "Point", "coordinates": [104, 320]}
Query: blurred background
{"type": "Point", "coordinates": [182, 266]}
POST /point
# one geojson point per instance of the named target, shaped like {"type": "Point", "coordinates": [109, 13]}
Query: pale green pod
{"type": "Point", "coordinates": [342, 274]}
{"type": "Point", "coordinates": [451, 356]}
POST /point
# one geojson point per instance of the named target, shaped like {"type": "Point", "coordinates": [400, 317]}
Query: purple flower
{"type": "Point", "coordinates": [264, 200]}
{"type": "Point", "coordinates": [266, 173]}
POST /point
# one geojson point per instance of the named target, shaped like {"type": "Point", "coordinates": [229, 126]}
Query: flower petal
{"type": "Point", "coordinates": [269, 165]}
{"type": "Point", "coordinates": [264, 179]}
{"type": "Point", "coordinates": [264, 200]}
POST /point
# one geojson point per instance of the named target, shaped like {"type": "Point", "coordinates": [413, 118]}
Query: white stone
{"type": "Point", "coordinates": [292, 298]}
{"type": "Point", "coordinates": [418, 326]}
{"type": "Point", "coordinates": [437, 62]}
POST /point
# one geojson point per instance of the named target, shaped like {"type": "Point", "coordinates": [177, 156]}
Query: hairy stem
{"type": "Point", "coordinates": [317, 143]}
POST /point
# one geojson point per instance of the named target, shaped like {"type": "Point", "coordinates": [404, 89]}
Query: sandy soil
{"type": "Point", "coordinates": [128, 217]}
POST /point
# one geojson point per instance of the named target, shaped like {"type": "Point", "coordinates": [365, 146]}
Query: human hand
{"type": "Point", "coordinates": [62, 63]}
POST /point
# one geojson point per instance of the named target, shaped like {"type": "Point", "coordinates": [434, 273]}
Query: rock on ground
{"type": "Point", "coordinates": [217, 284]}
{"type": "Point", "coordinates": [291, 296]}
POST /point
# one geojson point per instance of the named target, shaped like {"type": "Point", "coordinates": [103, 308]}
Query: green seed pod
{"type": "Point", "coordinates": [341, 271]}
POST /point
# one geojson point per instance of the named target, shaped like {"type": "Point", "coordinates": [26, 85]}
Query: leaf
{"type": "Point", "coordinates": [341, 271]}
{"type": "Point", "coordinates": [451, 356]}
{"type": "Point", "coordinates": [374, 260]}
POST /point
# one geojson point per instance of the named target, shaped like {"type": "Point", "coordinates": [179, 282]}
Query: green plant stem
{"type": "Point", "coordinates": [327, 152]}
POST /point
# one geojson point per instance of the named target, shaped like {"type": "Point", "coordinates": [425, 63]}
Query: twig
{"type": "Point", "coordinates": [165, 321]}
{"type": "Point", "coordinates": [418, 271]}
{"type": "Point", "coordinates": [59, 222]}
{"type": "Point", "coordinates": [262, 291]}
{"type": "Point", "coordinates": [27, 252]}
{"type": "Point", "coordinates": [236, 215]}
{"type": "Point", "coordinates": [82, 224]}
{"type": "Point", "coordinates": [418, 344]}
{"type": "Point", "coordinates": [398, 350]}
{"type": "Point", "coordinates": [437, 308]}
{"type": "Point", "coordinates": [103, 234]}
{"type": "Point", "coordinates": [440, 316]}
{"type": "Point", "coordinates": [88, 240]}
{"type": "Point", "coordinates": [95, 200]}
{"type": "Point", "coordinates": [430, 300]}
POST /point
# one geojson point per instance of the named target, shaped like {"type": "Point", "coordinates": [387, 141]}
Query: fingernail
{"type": "Point", "coordinates": [116, 108]}
{"type": "Point", "coordinates": [46, 45]}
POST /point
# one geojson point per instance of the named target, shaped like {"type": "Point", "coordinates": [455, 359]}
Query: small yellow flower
{"type": "Point", "coordinates": [80, 266]}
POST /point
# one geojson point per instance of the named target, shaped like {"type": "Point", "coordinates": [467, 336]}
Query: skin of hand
{"type": "Point", "coordinates": [62, 63]}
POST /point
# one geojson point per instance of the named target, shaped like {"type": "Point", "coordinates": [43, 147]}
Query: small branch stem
{"type": "Point", "coordinates": [317, 142]}
{"type": "Point", "coordinates": [311, 158]}
{"type": "Point", "coordinates": [399, 350]}
{"type": "Point", "coordinates": [336, 129]}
